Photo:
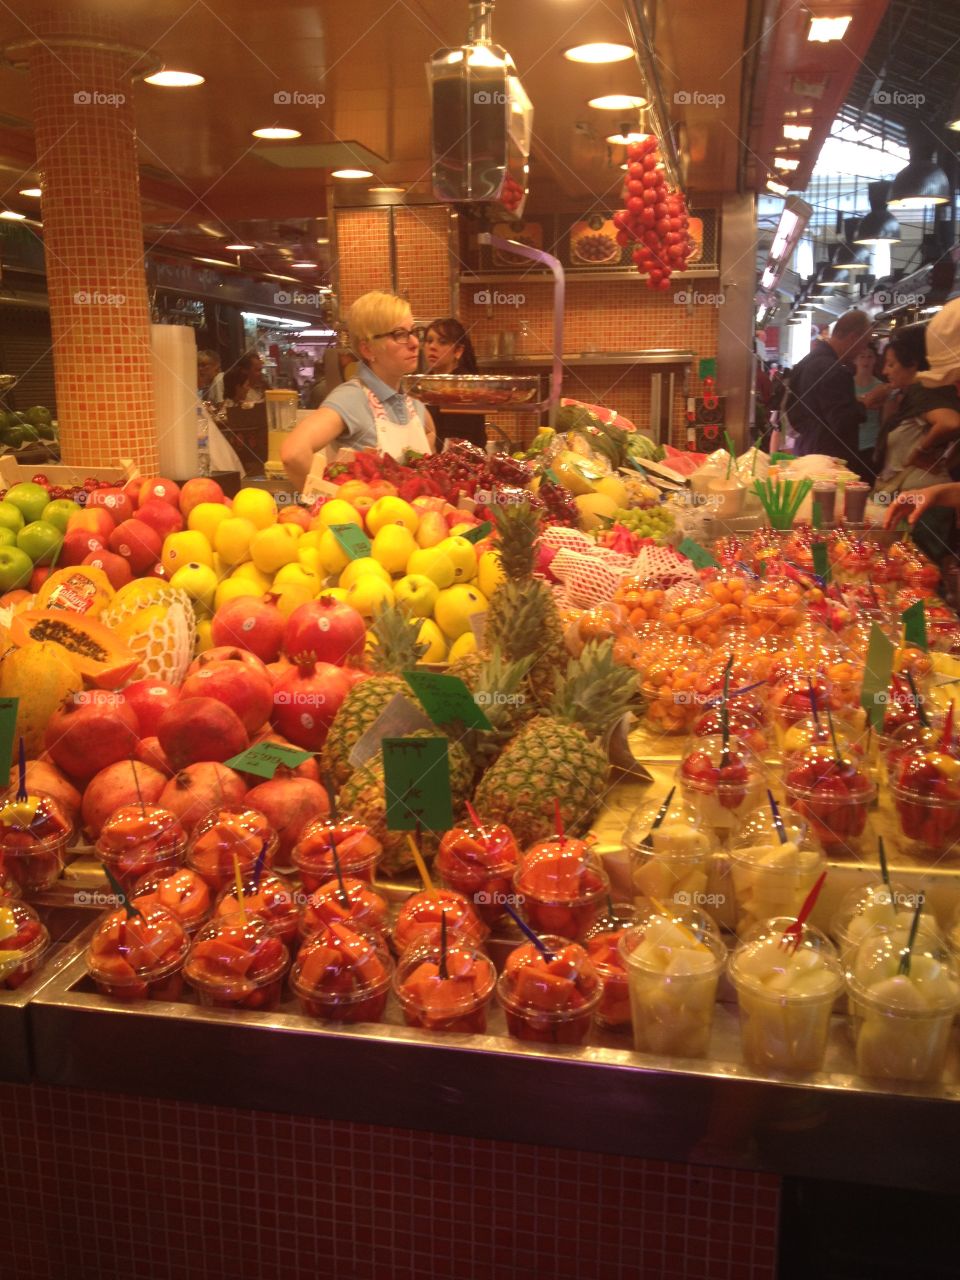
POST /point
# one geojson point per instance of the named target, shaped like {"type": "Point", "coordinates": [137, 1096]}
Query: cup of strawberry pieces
{"type": "Point", "coordinates": [23, 940]}
{"type": "Point", "coordinates": [747, 717]}
{"type": "Point", "coordinates": [552, 998]}
{"type": "Point", "coordinates": [446, 986]}
{"type": "Point", "coordinates": [478, 860]}
{"type": "Point", "coordinates": [235, 962]}
{"type": "Point", "coordinates": [560, 886]}
{"type": "Point", "coordinates": [342, 974]}
{"type": "Point", "coordinates": [419, 920]}
{"type": "Point", "coordinates": [182, 893]}
{"type": "Point", "coordinates": [271, 900]}
{"type": "Point", "coordinates": [833, 792]}
{"type": "Point", "coordinates": [138, 955]}
{"type": "Point", "coordinates": [925, 786]}
{"type": "Point", "coordinates": [718, 778]}
{"type": "Point", "coordinates": [355, 904]}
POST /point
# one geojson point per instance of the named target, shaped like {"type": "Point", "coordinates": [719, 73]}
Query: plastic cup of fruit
{"type": "Point", "coordinates": [790, 700]}
{"type": "Point", "coordinates": [272, 901]}
{"type": "Point", "coordinates": [227, 835]}
{"type": "Point", "coordinates": [418, 920]}
{"type": "Point", "coordinates": [850, 734]}
{"type": "Point", "coordinates": [138, 840]}
{"type": "Point", "coordinates": [23, 941]}
{"type": "Point", "coordinates": [479, 863]}
{"type": "Point", "coordinates": [342, 974]}
{"type": "Point", "coordinates": [901, 1022]}
{"type": "Point", "coordinates": [786, 995]}
{"type": "Point", "coordinates": [771, 880]}
{"type": "Point", "coordinates": [138, 957]}
{"type": "Point", "coordinates": [674, 859]}
{"type": "Point", "coordinates": [560, 887]}
{"type": "Point", "coordinates": [757, 827]}
{"type": "Point", "coordinates": [550, 1001]}
{"type": "Point", "coordinates": [601, 943]}
{"type": "Point", "coordinates": [674, 688]}
{"type": "Point", "coordinates": [719, 785]}
{"type": "Point", "coordinates": [363, 908]}
{"type": "Point", "coordinates": [691, 611]}
{"type": "Point", "coordinates": [775, 609]}
{"type": "Point", "coordinates": [833, 796]}
{"type": "Point", "coordinates": [357, 850]}
{"type": "Point", "coordinates": [673, 960]}
{"type": "Point", "coordinates": [864, 908]}
{"type": "Point", "coordinates": [182, 893]}
{"type": "Point", "coordinates": [34, 835]}
{"type": "Point", "coordinates": [925, 788]}
{"type": "Point", "coordinates": [235, 962]}
{"type": "Point", "coordinates": [456, 1002]}
{"type": "Point", "coordinates": [747, 721]}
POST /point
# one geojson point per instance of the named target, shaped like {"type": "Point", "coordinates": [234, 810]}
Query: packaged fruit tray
{"type": "Point", "coordinates": [12, 472]}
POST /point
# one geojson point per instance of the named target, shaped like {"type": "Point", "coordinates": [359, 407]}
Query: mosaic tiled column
{"type": "Point", "coordinates": [82, 96]}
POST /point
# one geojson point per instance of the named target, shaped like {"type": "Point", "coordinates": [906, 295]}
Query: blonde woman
{"type": "Point", "coordinates": [368, 411]}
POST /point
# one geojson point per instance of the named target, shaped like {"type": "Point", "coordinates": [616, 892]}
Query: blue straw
{"type": "Point", "coordinates": [528, 932]}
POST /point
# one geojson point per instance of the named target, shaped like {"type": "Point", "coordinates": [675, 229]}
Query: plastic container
{"type": "Point", "coordinates": [138, 840]}
{"type": "Point", "coordinates": [272, 901]}
{"type": "Point", "coordinates": [924, 785]}
{"type": "Point", "coordinates": [235, 962]}
{"type": "Point", "coordinates": [867, 907]}
{"type": "Point", "coordinates": [182, 893]}
{"type": "Point", "coordinates": [479, 862]}
{"type": "Point", "coordinates": [786, 995]}
{"type": "Point", "coordinates": [601, 943]}
{"type": "Point", "coordinates": [24, 940]}
{"type": "Point", "coordinates": [358, 851]}
{"type": "Point", "coordinates": [675, 685]}
{"type": "Point", "coordinates": [34, 835]}
{"type": "Point", "coordinates": [418, 920]}
{"type": "Point", "coordinates": [747, 719]}
{"type": "Point", "coordinates": [719, 785]}
{"type": "Point", "coordinates": [673, 964]}
{"type": "Point", "coordinates": [342, 974]}
{"type": "Point", "coordinates": [364, 908]}
{"type": "Point", "coordinates": [457, 1002]}
{"type": "Point", "coordinates": [833, 796]}
{"type": "Point", "coordinates": [550, 1001]}
{"type": "Point", "coordinates": [773, 608]}
{"type": "Point", "coordinates": [227, 833]}
{"type": "Point", "coordinates": [901, 1022]}
{"type": "Point", "coordinates": [771, 881]}
{"type": "Point", "coordinates": [560, 887]}
{"type": "Point", "coordinates": [690, 611]}
{"type": "Point", "coordinates": [671, 864]}
{"type": "Point", "coordinates": [138, 957]}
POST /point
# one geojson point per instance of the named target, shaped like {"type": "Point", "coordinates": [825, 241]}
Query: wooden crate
{"type": "Point", "coordinates": [12, 472]}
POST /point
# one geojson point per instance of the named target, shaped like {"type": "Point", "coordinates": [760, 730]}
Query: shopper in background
{"type": "Point", "coordinates": [822, 406]}
{"type": "Point", "coordinates": [316, 391]}
{"type": "Point", "coordinates": [209, 377]}
{"type": "Point", "coordinates": [251, 364]}
{"type": "Point", "coordinates": [871, 392]}
{"type": "Point", "coordinates": [236, 389]}
{"type": "Point", "coordinates": [368, 411]}
{"type": "Point", "coordinates": [447, 349]}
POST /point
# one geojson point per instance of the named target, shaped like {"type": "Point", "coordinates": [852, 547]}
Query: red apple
{"type": "Point", "coordinates": [138, 543]}
{"type": "Point", "coordinates": [77, 545]}
{"type": "Point", "coordinates": [96, 521]}
{"type": "Point", "coordinates": [114, 501]}
{"type": "Point", "coordinates": [160, 488]}
{"type": "Point", "coordinates": [118, 570]}
{"type": "Point", "coordinates": [294, 515]}
{"type": "Point", "coordinates": [196, 491]}
{"type": "Point", "coordinates": [160, 516]}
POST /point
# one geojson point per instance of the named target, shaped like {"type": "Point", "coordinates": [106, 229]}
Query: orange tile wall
{"type": "Point", "coordinates": [363, 253]}
{"type": "Point", "coordinates": [423, 261]}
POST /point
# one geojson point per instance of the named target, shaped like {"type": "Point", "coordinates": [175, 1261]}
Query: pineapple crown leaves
{"type": "Point", "coordinates": [518, 527]}
{"type": "Point", "coordinates": [398, 646]}
{"type": "Point", "coordinates": [596, 690]}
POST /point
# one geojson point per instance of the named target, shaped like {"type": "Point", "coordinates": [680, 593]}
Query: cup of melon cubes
{"type": "Point", "coordinates": [343, 974]}
{"type": "Point", "coordinates": [550, 996]}
{"type": "Point", "coordinates": [671, 863]}
{"type": "Point", "coordinates": [445, 988]}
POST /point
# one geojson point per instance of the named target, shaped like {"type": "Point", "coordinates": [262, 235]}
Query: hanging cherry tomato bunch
{"type": "Point", "coordinates": [655, 219]}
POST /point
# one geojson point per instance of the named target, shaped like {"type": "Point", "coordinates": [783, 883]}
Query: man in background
{"type": "Point", "coordinates": [822, 405]}
{"type": "Point", "coordinates": [209, 377]}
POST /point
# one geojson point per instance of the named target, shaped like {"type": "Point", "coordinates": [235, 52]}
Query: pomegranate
{"type": "Point", "coordinates": [324, 630]}
{"type": "Point", "coordinates": [149, 699]}
{"type": "Point", "coordinates": [150, 752]}
{"type": "Point", "coordinates": [280, 668]}
{"type": "Point", "coordinates": [89, 731]}
{"type": "Point", "coordinates": [194, 791]}
{"type": "Point", "coordinates": [160, 516]}
{"type": "Point", "coordinates": [115, 786]}
{"type": "Point", "coordinates": [288, 804]}
{"type": "Point", "coordinates": [237, 685]}
{"type": "Point", "coordinates": [226, 653]}
{"type": "Point", "coordinates": [305, 701]}
{"type": "Point", "coordinates": [196, 729]}
{"type": "Point", "coordinates": [252, 624]}
{"type": "Point", "coordinates": [46, 777]}
{"type": "Point", "coordinates": [309, 769]}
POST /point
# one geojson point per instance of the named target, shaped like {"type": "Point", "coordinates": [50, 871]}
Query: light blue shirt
{"type": "Point", "coordinates": [350, 403]}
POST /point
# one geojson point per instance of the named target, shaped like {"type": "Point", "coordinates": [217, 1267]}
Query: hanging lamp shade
{"type": "Point", "coordinates": [922, 182]}
{"type": "Point", "coordinates": [879, 224]}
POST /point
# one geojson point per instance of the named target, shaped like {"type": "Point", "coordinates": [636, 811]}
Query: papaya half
{"type": "Point", "coordinates": [94, 650]}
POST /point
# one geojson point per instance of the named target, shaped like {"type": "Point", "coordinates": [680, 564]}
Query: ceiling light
{"type": "Point", "coordinates": [796, 132]}
{"type": "Point", "coordinates": [174, 79]}
{"type": "Point", "coordinates": [317, 333]}
{"type": "Point", "coordinates": [33, 193]}
{"type": "Point", "coordinates": [618, 102]}
{"type": "Point", "coordinates": [599, 51]}
{"type": "Point", "coordinates": [352, 173]}
{"type": "Point", "coordinates": [786, 163]}
{"type": "Point", "coordinates": [777, 188]}
{"type": "Point", "coordinates": [824, 30]}
{"type": "Point", "coordinates": [276, 135]}
{"type": "Point", "coordinates": [11, 215]}
{"type": "Point", "coordinates": [215, 262]}
{"type": "Point", "coordinates": [304, 266]}
{"type": "Point", "coordinates": [323, 239]}
{"type": "Point", "coordinates": [626, 139]}
{"type": "Point", "coordinates": [846, 259]}
{"type": "Point", "coordinates": [272, 276]}
{"type": "Point", "coordinates": [239, 248]}
{"type": "Point", "coordinates": [387, 191]}
{"type": "Point", "coordinates": [922, 182]}
{"type": "Point", "coordinates": [879, 226]}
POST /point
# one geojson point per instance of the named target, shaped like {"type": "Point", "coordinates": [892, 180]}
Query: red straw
{"type": "Point", "coordinates": [947, 738]}
{"type": "Point", "coordinates": [474, 816]}
{"type": "Point", "coordinates": [558, 818]}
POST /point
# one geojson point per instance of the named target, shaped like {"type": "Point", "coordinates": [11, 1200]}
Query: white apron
{"type": "Point", "coordinates": [396, 438]}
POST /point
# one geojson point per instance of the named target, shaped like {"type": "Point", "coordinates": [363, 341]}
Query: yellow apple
{"type": "Point", "coordinates": [393, 546]}
{"type": "Point", "coordinates": [454, 608]}
{"type": "Point", "coordinates": [489, 573]}
{"type": "Point", "coordinates": [310, 538]}
{"type": "Point", "coordinates": [200, 583]}
{"type": "Point", "coordinates": [433, 529]}
{"type": "Point", "coordinates": [463, 555]}
{"type": "Point", "coordinates": [336, 593]}
{"type": "Point", "coordinates": [206, 517]}
{"type": "Point", "coordinates": [336, 511]}
{"type": "Point", "coordinates": [291, 596]}
{"type": "Point", "coordinates": [392, 511]}
{"type": "Point", "coordinates": [233, 539]}
{"type": "Point", "coordinates": [204, 639]}
{"type": "Point", "coordinates": [187, 547]}
{"type": "Point", "coordinates": [333, 558]}
{"type": "Point", "coordinates": [250, 573]}
{"type": "Point", "coordinates": [369, 595]}
{"type": "Point", "coordinates": [431, 635]}
{"type": "Point", "coordinates": [417, 594]}
{"type": "Point", "coordinates": [433, 563]}
{"type": "Point", "coordinates": [231, 588]}
{"type": "Point", "coordinates": [353, 489]}
{"type": "Point", "coordinates": [363, 567]}
{"type": "Point", "coordinates": [309, 557]}
{"type": "Point", "coordinates": [467, 643]}
{"type": "Point", "coordinates": [272, 548]}
{"type": "Point", "coordinates": [296, 575]}
{"type": "Point", "coordinates": [257, 506]}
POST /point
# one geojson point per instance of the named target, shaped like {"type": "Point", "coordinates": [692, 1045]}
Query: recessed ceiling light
{"type": "Point", "coordinates": [618, 102]}
{"type": "Point", "coordinates": [777, 188]}
{"type": "Point", "coordinates": [323, 239]}
{"type": "Point", "coordinates": [277, 135]}
{"type": "Point", "coordinates": [304, 266]}
{"type": "Point", "coordinates": [33, 193]}
{"type": "Point", "coordinates": [352, 173]}
{"type": "Point", "coordinates": [174, 79]}
{"type": "Point", "coordinates": [387, 191]}
{"type": "Point", "coordinates": [823, 30]}
{"type": "Point", "coordinates": [627, 139]}
{"type": "Point", "coordinates": [216, 262]}
{"type": "Point", "coordinates": [797, 132]}
{"type": "Point", "coordinates": [599, 51]}
{"type": "Point", "coordinates": [239, 248]}
{"type": "Point", "coordinates": [272, 276]}
{"type": "Point", "coordinates": [11, 215]}
{"type": "Point", "coordinates": [786, 163]}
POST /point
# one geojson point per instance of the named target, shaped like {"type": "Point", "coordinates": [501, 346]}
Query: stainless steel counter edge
{"type": "Point", "coordinates": [593, 1099]}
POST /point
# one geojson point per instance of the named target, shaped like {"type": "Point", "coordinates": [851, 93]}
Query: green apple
{"type": "Point", "coordinates": [417, 594]}
{"type": "Point", "coordinates": [7, 537]}
{"type": "Point", "coordinates": [16, 568]}
{"type": "Point", "coordinates": [200, 583]}
{"type": "Point", "coordinates": [59, 512]}
{"type": "Point", "coordinates": [40, 540]}
{"type": "Point", "coordinates": [30, 499]}
{"type": "Point", "coordinates": [11, 517]}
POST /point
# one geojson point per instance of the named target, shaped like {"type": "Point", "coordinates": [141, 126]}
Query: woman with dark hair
{"type": "Point", "coordinates": [447, 349]}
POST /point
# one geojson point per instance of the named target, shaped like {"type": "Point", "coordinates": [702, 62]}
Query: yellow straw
{"type": "Point", "coordinates": [421, 865]}
{"type": "Point", "coordinates": [238, 880]}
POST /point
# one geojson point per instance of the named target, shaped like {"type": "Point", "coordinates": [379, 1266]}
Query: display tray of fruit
{"type": "Point", "coordinates": [473, 390]}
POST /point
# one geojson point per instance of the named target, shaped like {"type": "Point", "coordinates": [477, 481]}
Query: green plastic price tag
{"type": "Point", "coordinates": [915, 626]}
{"type": "Point", "coordinates": [478, 533]}
{"type": "Point", "coordinates": [416, 780]}
{"type": "Point", "coordinates": [698, 556]}
{"type": "Point", "coordinates": [446, 699]}
{"type": "Point", "coordinates": [821, 561]}
{"type": "Point", "coordinates": [817, 516]}
{"type": "Point", "coordinates": [263, 758]}
{"type": "Point", "coordinates": [8, 732]}
{"type": "Point", "coordinates": [782, 456]}
{"type": "Point", "coordinates": [353, 540]}
{"type": "Point", "coordinates": [551, 475]}
{"type": "Point", "coordinates": [876, 677]}
{"type": "Point", "coordinates": [707, 368]}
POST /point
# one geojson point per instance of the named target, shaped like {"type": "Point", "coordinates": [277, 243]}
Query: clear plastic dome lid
{"type": "Point", "coordinates": [688, 604]}
{"type": "Point", "coordinates": [419, 919]}
{"type": "Point", "coordinates": [672, 655]}
{"type": "Point", "coordinates": [680, 942]}
{"type": "Point", "coordinates": [931, 983]}
{"type": "Point", "coordinates": [815, 731]}
{"type": "Point", "coordinates": [341, 962]}
{"type": "Point", "coordinates": [491, 847]}
{"type": "Point", "coordinates": [23, 936]}
{"type": "Point", "coordinates": [926, 773]}
{"type": "Point", "coordinates": [271, 900]}
{"type": "Point", "coordinates": [183, 893]}
{"type": "Point", "coordinates": [601, 940]}
{"type": "Point", "coordinates": [229, 833]}
{"type": "Point", "coordinates": [561, 870]}
{"type": "Point", "coordinates": [868, 906]}
{"type": "Point", "coordinates": [679, 835]}
{"type": "Point", "coordinates": [757, 827]}
{"type": "Point", "coordinates": [469, 981]}
{"type": "Point", "coordinates": [127, 948]}
{"type": "Point", "coordinates": [140, 828]}
{"type": "Point", "coordinates": [769, 962]}
{"type": "Point", "coordinates": [235, 954]}
{"type": "Point", "coordinates": [564, 982]}
{"type": "Point", "coordinates": [356, 846]}
{"type": "Point", "coordinates": [709, 767]}
{"type": "Point", "coordinates": [817, 771]}
{"type": "Point", "coordinates": [37, 819]}
{"type": "Point", "coordinates": [363, 906]}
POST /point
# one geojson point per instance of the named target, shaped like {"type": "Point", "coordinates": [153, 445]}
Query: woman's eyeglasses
{"type": "Point", "coordinates": [403, 336]}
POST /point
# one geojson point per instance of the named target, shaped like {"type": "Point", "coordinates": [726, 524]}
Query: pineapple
{"type": "Point", "coordinates": [562, 754]}
{"type": "Point", "coordinates": [397, 650]}
{"type": "Point", "coordinates": [522, 615]}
